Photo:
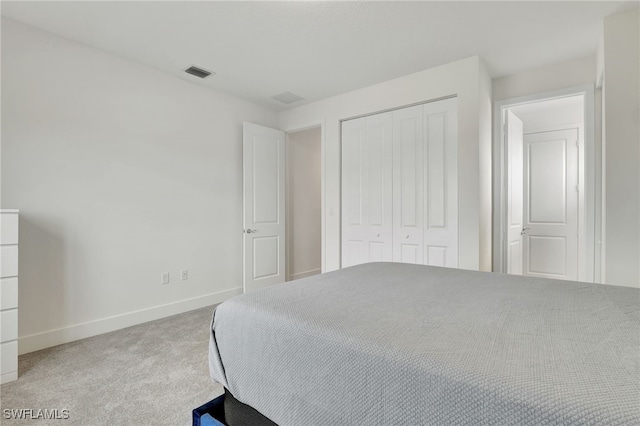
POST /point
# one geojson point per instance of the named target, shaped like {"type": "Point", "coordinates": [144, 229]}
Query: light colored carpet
{"type": "Point", "coordinates": [151, 374]}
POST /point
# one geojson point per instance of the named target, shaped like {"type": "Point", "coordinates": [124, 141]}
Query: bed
{"type": "Point", "coordinates": [391, 343]}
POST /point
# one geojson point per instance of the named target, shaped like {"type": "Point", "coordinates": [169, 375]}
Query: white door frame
{"type": "Point", "coordinates": [587, 179]}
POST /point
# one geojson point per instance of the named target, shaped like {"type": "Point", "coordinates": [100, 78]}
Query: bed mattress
{"type": "Point", "coordinates": [390, 343]}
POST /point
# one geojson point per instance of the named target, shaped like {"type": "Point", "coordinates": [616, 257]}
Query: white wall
{"type": "Point", "coordinates": [121, 173]}
{"type": "Point", "coordinates": [304, 184]}
{"type": "Point", "coordinates": [465, 78]}
{"type": "Point", "coordinates": [621, 142]}
{"type": "Point", "coordinates": [573, 73]}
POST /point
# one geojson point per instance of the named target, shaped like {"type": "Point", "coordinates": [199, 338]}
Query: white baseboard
{"type": "Point", "coordinates": [8, 377]}
{"type": "Point", "coordinates": [47, 339]}
{"type": "Point", "coordinates": [305, 274]}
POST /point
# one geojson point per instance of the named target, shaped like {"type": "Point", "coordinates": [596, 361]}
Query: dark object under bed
{"type": "Point", "coordinates": [227, 410]}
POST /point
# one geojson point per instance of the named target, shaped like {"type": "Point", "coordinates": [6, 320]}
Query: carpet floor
{"type": "Point", "coordinates": [150, 374]}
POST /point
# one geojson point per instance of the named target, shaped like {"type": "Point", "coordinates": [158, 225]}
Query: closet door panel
{"type": "Point", "coordinates": [435, 179]}
{"type": "Point", "coordinates": [440, 183]}
{"type": "Point", "coordinates": [367, 190]}
{"type": "Point", "coordinates": [354, 227]}
{"type": "Point", "coordinates": [376, 252]}
{"type": "Point", "coordinates": [435, 255]}
{"type": "Point", "coordinates": [408, 171]}
{"type": "Point", "coordinates": [376, 188]}
{"type": "Point", "coordinates": [379, 152]}
{"type": "Point", "coordinates": [353, 252]}
{"type": "Point", "coordinates": [353, 176]}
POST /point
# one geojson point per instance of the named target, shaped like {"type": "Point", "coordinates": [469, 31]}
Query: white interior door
{"type": "Point", "coordinates": [515, 229]}
{"type": "Point", "coordinates": [264, 206]}
{"type": "Point", "coordinates": [367, 190]}
{"type": "Point", "coordinates": [551, 204]}
{"type": "Point", "coordinates": [408, 185]}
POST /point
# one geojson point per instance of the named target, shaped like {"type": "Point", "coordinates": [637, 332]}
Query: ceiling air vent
{"type": "Point", "coordinates": [198, 72]}
{"type": "Point", "coordinates": [287, 98]}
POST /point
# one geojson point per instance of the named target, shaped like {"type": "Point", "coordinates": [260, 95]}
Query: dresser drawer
{"type": "Point", "coordinates": [8, 293]}
{"type": "Point", "coordinates": [8, 261]}
{"type": "Point", "coordinates": [8, 325]}
{"type": "Point", "coordinates": [9, 357]}
{"type": "Point", "coordinates": [8, 228]}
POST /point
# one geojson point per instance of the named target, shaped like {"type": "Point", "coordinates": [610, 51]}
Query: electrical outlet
{"type": "Point", "coordinates": [165, 278]}
{"type": "Point", "coordinates": [184, 274]}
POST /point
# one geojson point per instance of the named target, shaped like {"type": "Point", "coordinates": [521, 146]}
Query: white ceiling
{"type": "Point", "coordinates": [555, 112]}
{"type": "Point", "coordinates": [320, 49]}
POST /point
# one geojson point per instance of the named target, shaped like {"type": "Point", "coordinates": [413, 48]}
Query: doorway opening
{"type": "Point", "coordinates": [546, 187]}
{"type": "Point", "coordinates": [304, 203]}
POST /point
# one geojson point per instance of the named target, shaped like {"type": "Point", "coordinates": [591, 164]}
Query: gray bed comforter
{"type": "Point", "coordinates": [398, 344]}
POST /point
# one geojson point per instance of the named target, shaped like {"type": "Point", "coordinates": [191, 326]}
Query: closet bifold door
{"type": "Point", "coordinates": [367, 190]}
{"type": "Point", "coordinates": [400, 186]}
{"type": "Point", "coordinates": [408, 185]}
{"type": "Point", "coordinates": [440, 183]}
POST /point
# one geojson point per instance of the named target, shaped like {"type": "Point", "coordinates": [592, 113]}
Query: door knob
{"type": "Point", "coordinates": [407, 236]}
{"type": "Point", "coordinates": [524, 231]}
{"type": "Point", "coordinates": [250, 231]}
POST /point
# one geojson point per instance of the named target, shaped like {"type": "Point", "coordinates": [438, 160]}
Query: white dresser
{"type": "Point", "coordinates": [8, 295]}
